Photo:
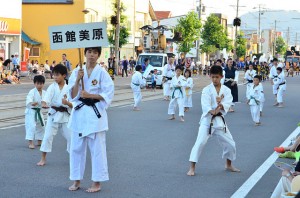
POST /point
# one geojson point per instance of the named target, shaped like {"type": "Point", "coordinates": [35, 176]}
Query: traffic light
{"type": "Point", "coordinates": [177, 36]}
{"type": "Point", "coordinates": [237, 22]}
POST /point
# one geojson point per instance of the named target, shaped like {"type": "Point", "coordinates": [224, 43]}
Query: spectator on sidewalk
{"type": "Point", "coordinates": [16, 61]}
{"type": "Point", "coordinates": [1, 65]}
{"type": "Point", "coordinates": [51, 68]}
{"type": "Point", "coordinates": [124, 66]}
{"type": "Point", "coordinates": [111, 63]}
{"type": "Point", "coordinates": [66, 63]}
{"type": "Point", "coordinates": [132, 64]}
{"type": "Point", "coordinates": [6, 65]}
{"type": "Point", "coordinates": [47, 68]}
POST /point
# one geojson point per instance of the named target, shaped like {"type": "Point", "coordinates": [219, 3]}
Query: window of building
{"type": "Point", "coordinates": [35, 52]}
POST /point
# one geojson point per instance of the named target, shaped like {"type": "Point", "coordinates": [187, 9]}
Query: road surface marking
{"type": "Point", "coordinates": [259, 173]}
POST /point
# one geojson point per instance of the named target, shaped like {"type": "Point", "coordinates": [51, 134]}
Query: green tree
{"type": "Point", "coordinates": [190, 28]}
{"type": "Point", "coordinates": [281, 46]}
{"type": "Point", "coordinates": [241, 42]}
{"type": "Point", "coordinates": [214, 36]}
{"type": "Point", "coordinates": [124, 33]}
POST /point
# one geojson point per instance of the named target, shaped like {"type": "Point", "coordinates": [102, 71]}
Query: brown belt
{"type": "Point", "coordinates": [60, 109]}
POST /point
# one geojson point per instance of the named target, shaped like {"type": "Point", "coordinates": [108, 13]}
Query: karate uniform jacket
{"type": "Point", "coordinates": [280, 81]}
{"type": "Point", "coordinates": [54, 97]}
{"type": "Point", "coordinates": [168, 71]}
{"type": "Point", "coordinates": [255, 95]}
{"type": "Point", "coordinates": [209, 102]}
{"type": "Point", "coordinates": [34, 96]}
{"type": "Point", "coordinates": [249, 75]}
{"type": "Point", "coordinates": [137, 82]}
{"type": "Point", "coordinates": [85, 120]}
{"type": "Point", "coordinates": [181, 82]}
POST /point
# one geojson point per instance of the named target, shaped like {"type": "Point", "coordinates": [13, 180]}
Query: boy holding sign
{"type": "Point", "coordinates": [91, 90]}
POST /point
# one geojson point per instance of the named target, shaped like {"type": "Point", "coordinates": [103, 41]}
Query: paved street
{"type": "Point", "coordinates": [148, 154]}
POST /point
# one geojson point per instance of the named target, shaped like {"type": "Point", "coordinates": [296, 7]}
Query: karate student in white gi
{"type": "Point", "coordinates": [188, 90]}
{"type": "Point", "coordinates": [273, 74]}
{"type": "Point", "coordinates": [59, 111]}
{"type": "Point", "coordinates": [254, 100]}
{"type": "Point", "coordinates": [216, 100]}
{"type": "Point", "coordinates": [88, 120]}
{"type": "Point", "coordinates": [280, 85]}
{"type": "Point", "coordinates": [249, 75]}
{"type": "Point", "coordinates": [34, 120]}
{"type": "Point", "coordinates": [177, 98]}
{"type": "Point", "coordinates": [137, 82]}
{"type": "Point", "coordinates": [168, 74]}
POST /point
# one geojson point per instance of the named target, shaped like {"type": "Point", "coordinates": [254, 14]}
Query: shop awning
{"type": "Point", "coordinates": [27, 39]}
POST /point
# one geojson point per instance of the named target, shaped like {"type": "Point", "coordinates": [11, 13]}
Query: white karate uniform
{"type": "Point", "coordinates": [283, 186]}
{"type": "Point", "coordinates": [87, 129]}
{"type": "Point", "coordinates": [137, 82]}
{"type": "Point", "coordinates": [262, 101]}
{"type": "Point", "coordinates": [223, 79]}
{"type": "Point", "coordinates": [57, 121]}
{"type": "Point", "coordinates": [33, 126]}
{"type": "Point", "coordinates": [255, 96]}
{"type": "Point", "coordinates": [273, 74]}
{"type": "Point", "coordinates": [208, 103]}
{"type": "Point", "coordinates": [280, 86]}
{"type": "Point", "coordinates": [177, 97]}
{"type": "Point", "coordinates": [249, 75]}
{"type": "Point", "coordinates": [168, 72]}
{"type": "Point", "coordinates": [188, 92]}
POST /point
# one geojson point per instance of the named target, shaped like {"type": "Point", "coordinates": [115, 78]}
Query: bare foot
{"type": "Point", "coordinates": [232, 169]}
{"type": "Point", "coordinates": [191, 172]}
{"type": "Point", "coordinates": [41, 163]}
{"type": "Point", "coordinates": [172, 118]}
{"type": "Point", "coordinates": [96, 187]}
{"type": "Point", "coordinates": [260, 114]}
{"type": "Point", "coordinates": [75, 186]}
{"type": "Point", "coordinates": [280, 106]}
{"type": "Point", "coordinates": [136, 109]}
{"type": "Point", "coordinates": [39, 143]}
{"type": "Point", "coordinates": [258, 124]}
{"type": "Point", "coordinates": [31, 146]}
{"type": "Point", "coordinates": [181, 119]}
{"type": "Point", "coordinates": [276, 104]}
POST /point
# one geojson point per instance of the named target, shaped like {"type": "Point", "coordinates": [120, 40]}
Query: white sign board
{"type": "Point", "coordinates": [78, 36]}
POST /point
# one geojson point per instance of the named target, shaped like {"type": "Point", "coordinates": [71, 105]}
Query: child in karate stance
{"type": "Point", "coordinates": [34, 120]}
{"type": "Point", "coordinates": [89, 119]}
{"type": "Point", "coordinates": [216, 100]}
{"type": "Point", "coordinates": [177, 98]}
{"type": "Point", "coordinates": [250, 73]}
{"type": "Point", "coordinates": [280, 84]}
{"type": "Point", "coordinates": [188, 103]}
{"type": "Point", "coordinates": [254, 100]}
{"type": "Point", "coordinates": [58, 114]}
{"type": "Point", "coordinates": [262, 101]}
{"type": "Point", "coordinates": [137, 82]}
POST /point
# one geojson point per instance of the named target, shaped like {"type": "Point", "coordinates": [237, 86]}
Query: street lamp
{"type": "Point", "coordinates": [87, 10]}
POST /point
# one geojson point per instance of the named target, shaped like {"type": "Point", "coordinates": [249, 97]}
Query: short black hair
{"type": "Point", "coordinates": [190, 73]}
{"type": "Point", "coordinates": [39, 79]}
{"type": "Point", "coordinates": [219, 60]}
{"type": "Point", "coordinates": [98, 49]}
{"type": "Point", "coordinates": [279, 69]}
{"type": "Point", "coordinates": [216, 70]}
{"type": "Point", "coordinates": [138, 68]}
{"type": "Point", "coordinates": [275, 59]}
{"type": "Point", "coordinates": [146, 59]}
{"type": "Point", "coordinates": [258, 77]}
{"type": "Point", "coordinates": [60, 69]}
{"type": "Point", "coordinates": [178, 67]}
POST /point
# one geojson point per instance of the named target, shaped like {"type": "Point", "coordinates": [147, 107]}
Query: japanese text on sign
{"type": "Point", "coordinates": [78, 36]}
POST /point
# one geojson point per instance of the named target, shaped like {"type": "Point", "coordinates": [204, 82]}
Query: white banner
{"type": "Point", "coordinates": [78, 36]}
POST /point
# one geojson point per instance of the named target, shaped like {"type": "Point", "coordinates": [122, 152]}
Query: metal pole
{"type": "Point", "coordinates": [296, 39]}
{"type": "Point", "coordinates": [198, 42]}
{"type": "Point", "coordinates": [236, 30]}
{"type": "Point", "coordinates": [258, 35]}
{"type": "Point", "coordinates": [275, 38]}
{"type": "Point", "coordinates": [117, 38]}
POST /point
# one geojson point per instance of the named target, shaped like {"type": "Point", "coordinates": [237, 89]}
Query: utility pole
{"type": "Point", "coordinates": [198, 42]}
{"type": "Point", "coordinates": [296, 39]}
{"type": "Point", "coordinates": [288, 36]}
{"type": "Point", "coordinates": [117, 37]}
{"type": "Point", "coordinates": [236, 30]}
{"type": "Point", "coordinates": [259, 34]}
{"type": "Point", "coordinates": [275, 38]}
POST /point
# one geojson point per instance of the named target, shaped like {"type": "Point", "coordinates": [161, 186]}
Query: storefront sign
{"type": "Point", "coordinates": [10, 26]}
{"type": "Point", "coordinates": [78, 36]}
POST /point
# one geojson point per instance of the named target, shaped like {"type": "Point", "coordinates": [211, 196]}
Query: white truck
{"type": "Point", "coordinates": [158, 61]}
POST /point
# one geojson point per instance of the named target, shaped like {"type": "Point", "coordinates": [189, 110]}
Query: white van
{"type": "Point", "coordinates": [158, 61]}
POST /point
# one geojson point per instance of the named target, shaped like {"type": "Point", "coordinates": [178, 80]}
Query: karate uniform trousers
{"type": "Point", "coordinates": [173, 105]}
{"type": "Point", "coordinates": [280, 92]}
{"type": "Point", "coordinates": [225, 139]}
{"type": "Point", "coordinates": [255, 112]}
{"type": "Point", "coordinates": [51, 130]}
{"type": "Point", "coordinates": [137, 95]}
{"type": "Point", "coordinates": [249, 85]}
{"type": "Point", "coordinates": [188, 101]}
{"type": "Point", "coordinates": [283, 186]}
{"type": "Point", "coordinates": [167, 88]}
{"type": "Point", "coordinates": [97, 146]}
{"type": "Point", "coordinates": [33, 127]}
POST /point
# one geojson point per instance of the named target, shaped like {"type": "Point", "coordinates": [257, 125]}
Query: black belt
{"type": "Point", "coordinates": [211, 121]}
{"type": "Point", "coordinates": [250, 81]}
{"type": "Point", "coordinates": [89, 102]}
{"type": "Point", "coordinates": [59, 109]}
{"type": "Point", "coordinates": [169, 78]}
{"type": "Point", "coordinates": [281, 83]}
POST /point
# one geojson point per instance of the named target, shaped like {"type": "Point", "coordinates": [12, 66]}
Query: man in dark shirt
{"type": "Point", "coordinates": [124, 66]}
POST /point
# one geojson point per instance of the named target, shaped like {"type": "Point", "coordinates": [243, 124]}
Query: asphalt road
{"type": "Point", "coordinates": [148, 154]}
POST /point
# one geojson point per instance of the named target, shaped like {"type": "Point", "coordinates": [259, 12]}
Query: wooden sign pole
{"type": "Point", "coordinates": [80, 63]}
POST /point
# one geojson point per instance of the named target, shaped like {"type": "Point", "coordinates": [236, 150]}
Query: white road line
{"type": "Point", "coordinates": [13, 126]}
{"type": "Point", "coordinates": [259, 173]}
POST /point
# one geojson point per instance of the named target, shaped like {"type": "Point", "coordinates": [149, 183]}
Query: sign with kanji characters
{"type": "Point", "coordinates": [78, 36]}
